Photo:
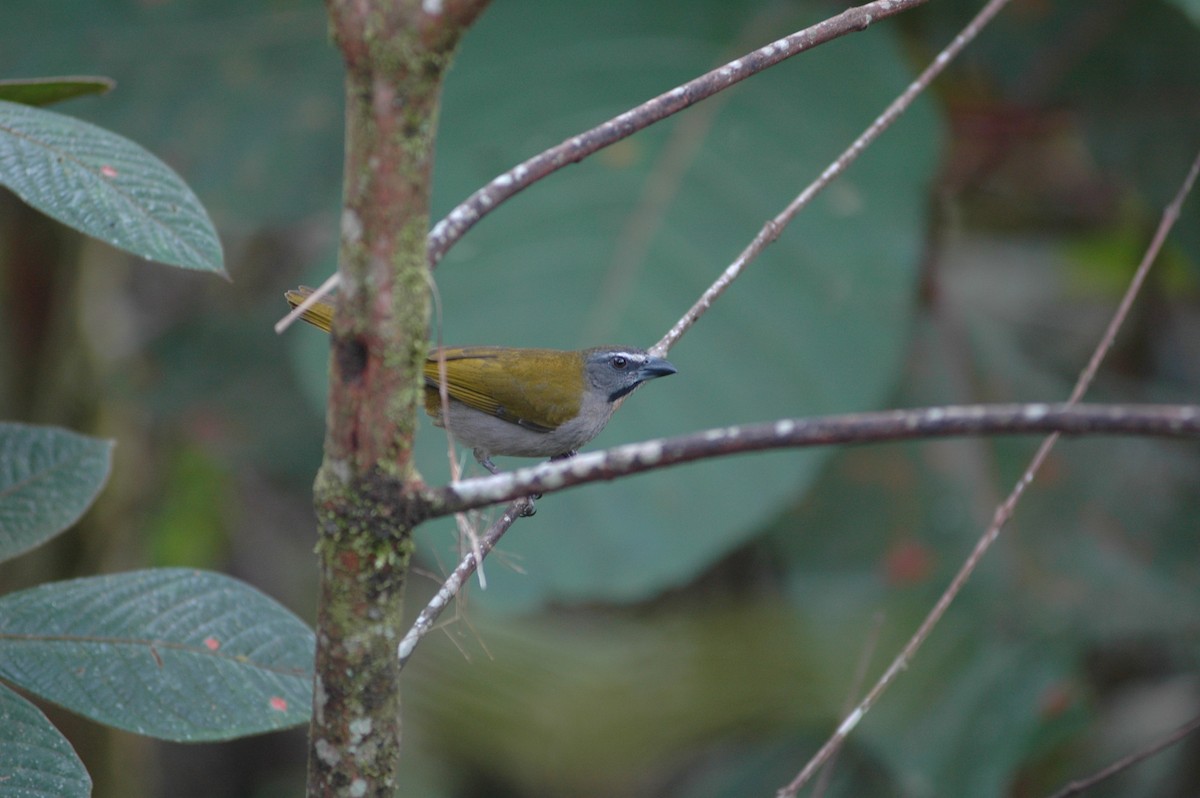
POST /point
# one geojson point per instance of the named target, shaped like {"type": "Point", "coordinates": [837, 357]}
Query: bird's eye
{"type": "Point", "coordinates": [619, 362]}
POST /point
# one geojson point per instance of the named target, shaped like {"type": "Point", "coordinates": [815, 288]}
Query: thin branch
{"type": "Point", "coordinates": [856, 683]}
{"type": "Point", "coordinates": [660, 189]}
{"type": "Point", "coordinates": [458, 577]}
{"type": "Point", "coordinates": [1182, 421]}
{"type": "Point", "coordinates": [1171, 421]}
{"type": "Point", "coordinates": [774, 227]}
{"type": "Point", "coordinates": [1005, 510]}
{"type": "Point", "coordinates": [1169, 217]}
{"type": "Point", "coordinates": [450, 229]}
{"type": "Point", "coordinates": [1079, 785]}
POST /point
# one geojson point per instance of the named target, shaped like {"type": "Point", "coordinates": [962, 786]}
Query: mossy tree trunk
{"type": "Point", "coordinates": [396, 54]}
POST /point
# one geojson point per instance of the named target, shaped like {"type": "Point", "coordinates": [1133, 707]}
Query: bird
{"type": "Point", "coordinates": [508, 401]}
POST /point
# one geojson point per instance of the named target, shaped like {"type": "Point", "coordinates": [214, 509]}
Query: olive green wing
{"type": "Point", "coordinates": [516, 385]}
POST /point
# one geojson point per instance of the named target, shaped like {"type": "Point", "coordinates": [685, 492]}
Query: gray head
{"type": "Point", "coordinates": [617, 370]}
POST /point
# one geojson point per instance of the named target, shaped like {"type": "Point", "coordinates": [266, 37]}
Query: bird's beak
{"type": "Point", "coordinates": [655, 367]}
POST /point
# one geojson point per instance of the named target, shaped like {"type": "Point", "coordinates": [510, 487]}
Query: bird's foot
{"type": "Point", "coordinates": [485, 460]}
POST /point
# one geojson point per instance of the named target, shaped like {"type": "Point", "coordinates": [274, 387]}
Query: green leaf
{"type": "Point", "coordinates": [105, 186]}
{"type": "Point", "coordinates": [171, 653]}
{"type": "Point", "coordinates": [260, 96]}
{"type": "Point", "coordinates": [38, 760]}
{"type": "Point", "coordinates": [44, 91]}
{"type": "Point", "coordinates": [48, 477]}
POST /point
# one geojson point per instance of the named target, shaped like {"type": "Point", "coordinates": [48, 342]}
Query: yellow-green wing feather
{"type": "Point", "coordinates": [467, 368]}
{"type": "Point", "coordinates": [523, 386]}
{"type": "Point", "coordinates": [539, 389]}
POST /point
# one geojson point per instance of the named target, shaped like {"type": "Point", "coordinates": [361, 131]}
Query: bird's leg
{"type": "Point", "coordinates": [486, 461]}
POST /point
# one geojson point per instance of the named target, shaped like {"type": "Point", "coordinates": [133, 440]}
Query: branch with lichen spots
{"type": "Point", "coordinates": [1173, 421]}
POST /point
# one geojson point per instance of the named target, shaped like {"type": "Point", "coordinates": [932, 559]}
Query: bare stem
{"type": "Point", "coordinates": [860, 676]}
{"type": "Point", "coordinates": [1171, 421]}
{"type": "Point", "coordinates": [458, 577]}
{"type": "Point", "coordinates": [1081, 785]}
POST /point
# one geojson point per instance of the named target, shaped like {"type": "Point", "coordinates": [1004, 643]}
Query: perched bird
{"type": "Point", "coordinates": [523, 402]}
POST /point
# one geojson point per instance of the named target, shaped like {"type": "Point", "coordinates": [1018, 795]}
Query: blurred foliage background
{"type": "Point", "coordinates": [694, 633]}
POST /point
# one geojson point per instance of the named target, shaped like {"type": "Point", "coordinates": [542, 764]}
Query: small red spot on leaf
{"type": "Point", "coordinates": [278, 704]}
{"type": "Point", "coordinates": [108, 171]}
{"type": "Point", "coordinates": [212, 643]}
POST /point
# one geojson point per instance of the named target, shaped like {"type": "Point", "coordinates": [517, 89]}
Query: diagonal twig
{"type": "Point", "coordinates": [1124, 763]}
{"type": "Point", "coordinates": [458, 577]}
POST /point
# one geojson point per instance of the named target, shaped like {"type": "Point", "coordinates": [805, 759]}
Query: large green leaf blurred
{"type": "Point", "coordinates": [596, 703]}
{"type": "Point", "coordinates": [1191, 7]}
{"type": "Point", "coordinates": [615, 249]}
